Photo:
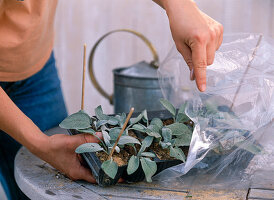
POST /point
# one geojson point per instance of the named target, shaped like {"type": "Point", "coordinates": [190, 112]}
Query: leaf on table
{"type": "Point", "coordinates": [89, 148]}
{"type": "Point", "coordinates": [179, 129]}
{"type": "Point", "coordinates": [133, 164]}
{"type": "Point", "coordinates": [79, 120]}
{"type": "Point", "coordinates": [168, 106]}
{"type": "Point", "coordinates": [110, 168]}
{"type": "Point", "coordinates": [128, 140]}
{"type": "Point", "coordinates": [177, 153]}
{"type": "Point", "coordinates": [149, 167]}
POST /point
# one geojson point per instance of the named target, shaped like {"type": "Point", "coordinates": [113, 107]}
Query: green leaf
{"type": "Point", "coordinates": [177, 153]}
{"type": "Point", "coordinates": [79, 120]}
{"type": "Point", "coordinates": [149, 167]}
{"type": "Point", "coordinates": [167, 134]}
{"type": "Point", "coordinates": [100, 123]}
{"type": "Point", "coordinates": [106, 138]}
{"type": "Point", "coordinates": [183, 140]}
{"type": "Point", "coordinates": [148, 154]}
{"type": "Point", "coordinates": [99, 113]}
{"type": "Point", "coordinates": [133, 164]}
{"type": "Point", "coordinates": [117, 149]}
{"type": "Point", "coordinates": [158, 122]}
{"type": "Point", "coordinates": [114, 133]}
{"type": "Point", "coordinates": [137, 119]}
{"type": "Point", "coordinates": [168, 106]}
{"type": "Point", "coordinates": [153, 134]}
{"type": "Point", "coordinates": [110, 168]}
{"type": "Point", "coordinates": [145, 116]}
{"type": "Point", "coordinates": [145, 143]}
{"type": "Point", "coordinates": [121, 118]}
{"type": "Point", "coordinates": [88, 148]}
{"type": "Point", "coordinates": [179, 129]}
{"type": "Point", "coordinates": [113, 121]}
{"type": "Point", "coordinates": [88, 130]}
{"type": "Point", "coordinates": [181, 116]}
{"type": "Point", "coordinates": [128, 140]}
{"type": "Point", "coordinates": [141, 116]}
{"type": "Point", "coordinates": [139, 127]}
{"type": "Point", "coordinates": [153, 130]}
{"type": "Point", "coordinates": [165, 145]}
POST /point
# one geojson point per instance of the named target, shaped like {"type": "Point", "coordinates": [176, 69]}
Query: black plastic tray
{"type": "Point", "coordinates": [104, 180]}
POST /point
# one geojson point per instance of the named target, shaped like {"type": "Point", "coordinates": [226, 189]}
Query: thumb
{"type": "Point", "coordinates": [91, 138]}
{"type": "Point", "coordinates": [77, 140]}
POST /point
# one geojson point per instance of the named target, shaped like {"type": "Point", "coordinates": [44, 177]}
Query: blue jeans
{"type": "Point", "coordinates": [40, 98]}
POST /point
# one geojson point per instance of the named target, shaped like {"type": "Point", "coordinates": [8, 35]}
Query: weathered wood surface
{"type": "Point", "coordinates": [38, 180]}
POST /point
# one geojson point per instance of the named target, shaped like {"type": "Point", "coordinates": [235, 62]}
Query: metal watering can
{"type": "Point", "coordinates": [134, 86]}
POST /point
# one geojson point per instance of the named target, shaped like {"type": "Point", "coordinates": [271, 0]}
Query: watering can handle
{"type": "Point", "coordinates": [154, 63]}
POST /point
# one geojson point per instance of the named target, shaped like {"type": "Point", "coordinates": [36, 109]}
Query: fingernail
{"type": "Point", "coordinates": [203, 87]}
{"type": "Point", "coordinates": [191, 74]}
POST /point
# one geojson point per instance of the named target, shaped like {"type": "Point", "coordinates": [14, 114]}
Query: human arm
{"type": "Point", "coordinates": [196, 35]}
{"type": "Point", "coordinates": [57, 150]}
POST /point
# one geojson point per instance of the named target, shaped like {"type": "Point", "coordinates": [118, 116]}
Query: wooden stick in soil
{"type": "Point", "coordinates": [83, 78]}
{"type": "Point", "coordinates": [121, 132]}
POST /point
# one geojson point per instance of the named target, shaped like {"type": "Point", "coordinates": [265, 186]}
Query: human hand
{"type": "Point", "coordinates": [196, 35]}
{"type": "Point", "coordinates": [59, 151]}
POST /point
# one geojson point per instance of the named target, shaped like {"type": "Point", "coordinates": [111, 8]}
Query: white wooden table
{"type": "Point", "coordinates": [38, 180]}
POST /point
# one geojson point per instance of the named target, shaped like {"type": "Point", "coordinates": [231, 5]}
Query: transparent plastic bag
{"type": "Point", "coordinates": [232, 117]}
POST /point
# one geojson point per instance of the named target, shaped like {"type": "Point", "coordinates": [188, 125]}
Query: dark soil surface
{"type": "Point", "coordinates": [125, 153]}
{"type": "Point", "coordinates": [121, 158]}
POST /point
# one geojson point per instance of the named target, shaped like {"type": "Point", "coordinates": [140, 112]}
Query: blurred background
{"type": "Point", "coordinates": [84, 21]}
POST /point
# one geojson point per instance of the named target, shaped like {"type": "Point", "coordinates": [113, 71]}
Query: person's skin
{"type": "Point", "coordinates": [197, 37]}
{"type": "Point", "coordinates": [57, 150]}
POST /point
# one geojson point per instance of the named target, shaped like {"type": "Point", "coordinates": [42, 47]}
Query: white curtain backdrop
{"type": "Point", "coordinates": [84, 21]}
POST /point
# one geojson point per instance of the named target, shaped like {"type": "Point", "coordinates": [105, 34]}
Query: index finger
{"type": "Point", "coordinates": [199, 60]}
